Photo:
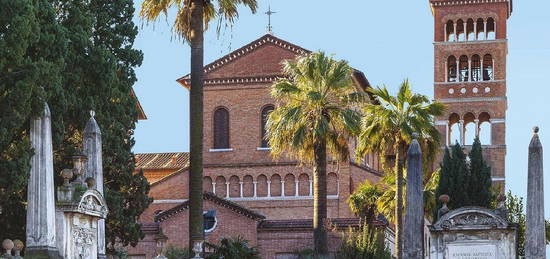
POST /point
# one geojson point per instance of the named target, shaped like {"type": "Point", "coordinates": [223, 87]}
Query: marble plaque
{"type": "Point", "coordinates": [472, 251]}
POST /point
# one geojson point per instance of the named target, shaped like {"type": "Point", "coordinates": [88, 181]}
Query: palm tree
{"type": "Point", "coordinates": [314, 117]}
{"type": "Point", "coordinates": [387, 127]}
{"type": "Point", "coordinates": [370, 199]}
{"type": "Point", "coordinates": [192, 19]}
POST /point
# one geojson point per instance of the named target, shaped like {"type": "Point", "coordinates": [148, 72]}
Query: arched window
{"type": "Point", "coordinates": [221, 187]}
{"type": "Point", "coordinates": [207, 184]}
{"type": "Point", "coordinates": [221, 128]}
{"type": "Point", "coordinates": [265, 112]}
{"type": "Point", "coordinates": [234, 186]}
{"type": "Point", "coordinates": [485, 129]}
{"type": "Point", "coordinates": [332, 184]}
{"type": "Point", "coordinates": [290, 185]}
{"type": "Point", "coordinates": [461, 30]}
{"type": "Point", "coordinates": [451, 69]}
{"type": "Point", "coordinates": [276, 185]}
{"type": "Point", "coordinates": [480, 29]}
{"type": "Point", "coordinates": [488, 68]}
{"type": "Point", "coordinates": [476, 68]}
{"type": "Point", "coordinates": [248, 186]}
{"type": "Point", "coordinates": [303, 185]}
{"type": "Point", "coordinates": [450, 31]}
{"type": "Point", "coordinates": [491, 26]}
{"type": "Point", "coordinates": [262, 186]}
{"type": "Point", "coordinates": [454, 129]}
{"type": "Point", "coordinates": [469, 128]}
{"type": "Point", "coordinates": [470, 34]}
{"type": "Point", "coordinates": [463, 69]}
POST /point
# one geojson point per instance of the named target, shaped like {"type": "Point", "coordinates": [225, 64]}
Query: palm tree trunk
{"type": "Point", "coordinates": [400, 161]}
{"type": "Point", "coordinates": [196, 232]}
{"type": "Point", "coordinates": [320, 199]}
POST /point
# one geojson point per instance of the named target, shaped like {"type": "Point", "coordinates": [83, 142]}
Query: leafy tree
{"type": "Point", "coordinates": [77, 56]}
{"type": "Point", "coordinates": [479, 183]}
{"type": "Point", "coordinates": [516, 215]}
{"type": "Point", "coordinates": [367, 243]}
{"type": "Point", "coordinates": [235, 248]}
{"type": "Point", "coordinates": [387, 128]}
{"type": "Point", "coordinates": [314, 117]}
{"type": "Point", "coordinates": [192, 19]}
{"type": "Point", "coordinates": [32, 45]}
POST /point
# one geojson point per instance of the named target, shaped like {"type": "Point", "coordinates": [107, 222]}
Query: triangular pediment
{"type": "Point", "coordinates": [257, 61]}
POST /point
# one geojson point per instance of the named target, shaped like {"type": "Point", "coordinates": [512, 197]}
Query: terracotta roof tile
{"type": "Point", "coordinates": [175, 160]}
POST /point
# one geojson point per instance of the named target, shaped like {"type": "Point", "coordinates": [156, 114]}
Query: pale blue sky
{"type": "Point", "coordinates": [387, 40]}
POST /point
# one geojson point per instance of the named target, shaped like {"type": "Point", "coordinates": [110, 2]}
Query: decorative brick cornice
{"type": "Point", "coordinates": [215, 199]}
{"type": "Point", "coordinates": [437, 3]}
{"type": "Point", "coordinates": [473, 99]}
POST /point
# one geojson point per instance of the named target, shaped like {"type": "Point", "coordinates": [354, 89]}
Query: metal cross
{"type": "Point", "coordinates": [269, 13]}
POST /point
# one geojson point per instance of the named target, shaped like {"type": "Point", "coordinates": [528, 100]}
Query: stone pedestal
{"type": "Point", "coordinates": [472, 233]}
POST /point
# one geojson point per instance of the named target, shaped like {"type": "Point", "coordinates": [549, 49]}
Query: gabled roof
{"type": "Point", "coordinates": [215, 199]}
{"type": "Point", "coordinates": [268, 39]}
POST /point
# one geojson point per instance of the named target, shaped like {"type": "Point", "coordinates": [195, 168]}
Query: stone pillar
{"type": "Point", "coordinates": [94, 169]}
{"type": "Point", "coordinates": [241, 189]}
{"type": "Point", "coordinates": [535, 246]}
{"type": "Point", "coordinates": [255, 189]}
{"type": "Point", "coordinates": [296, 188]}
{"type": "Point", "coordinates": [414, 217]}
{"type": "Point", "coordinates": [282, 188]}
{"type": "Point", "coordinates": [461, 125]}
{"type": "Point", "coordinates": [268, 188]}
{"type": "Point", "coordinates": [41, 237]}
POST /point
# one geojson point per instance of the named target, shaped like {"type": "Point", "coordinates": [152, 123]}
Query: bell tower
{"type": "Point", "coordinates": [470, 45]}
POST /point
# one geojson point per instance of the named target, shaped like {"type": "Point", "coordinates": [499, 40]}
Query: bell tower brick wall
{"type": "Point", "coordinates": [470, 49]}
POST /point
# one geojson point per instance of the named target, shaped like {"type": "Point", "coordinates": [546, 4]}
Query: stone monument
{"type": "Point", "coordinates": [92, 149]}
{"type": "Point", "coordinates": [472, 233]}
{"type": "Point", "coordinates": [414, 218]}
{"type": "Point", "coordinates": [41, 234]}
{"type": "Point", "coordinates": [535, 236]}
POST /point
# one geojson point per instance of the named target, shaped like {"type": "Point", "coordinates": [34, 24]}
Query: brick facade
{"type": "Point", "coordinates": [465, 33]}
{"type": "Point", "coordinates": [246, 174]}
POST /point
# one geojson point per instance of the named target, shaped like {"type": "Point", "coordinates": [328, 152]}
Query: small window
{"type": "Point", "coordinates": [265, 112]}
{"type": "Point", "coordinates": [210, 221]}
{"type": "Point", "coordinates": [221, 128]}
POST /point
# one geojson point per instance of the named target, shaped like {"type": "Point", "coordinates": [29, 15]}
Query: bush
{"type": "Point", "coordinates": [174, 252]}
{"type": "Point", "coordinates": [235, 248]}
{"type": "Point", "coordinates": [365, 243]}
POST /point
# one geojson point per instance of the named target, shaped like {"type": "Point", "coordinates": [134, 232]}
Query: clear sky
{"type": "Point", "coordinates": [387, 40]}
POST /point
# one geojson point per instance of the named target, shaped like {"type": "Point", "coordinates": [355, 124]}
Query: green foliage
{"type": "Point", "coordinates": [479, 183]}
{"type": "Point", "coordinates": [314, 104]}
{"type": "Point", "coordinates": [391, 122]}
{"type": "Point", "coordinates": [548, 232]}
{"type": "Point", "coordinates": [235, 248]}
{"type": "Point", "coordinates": [32, 45]}
{"type": "Point", "coordinates": [365, 243]}
{"type": "Point", "coordinates": [516, 215]}
{"type": "Point", "coordinates": [468, 184]}
{"type": "Point", "coordinates": [226, 11]}
{"type": "Point", "coordinates": [305, 254]}
{"type": "Point", "coordinates": [77, 56]}
{"type": "Point", "coordinates": [369, 200]}
{"type": "Point", "coordinates": [174, 252]}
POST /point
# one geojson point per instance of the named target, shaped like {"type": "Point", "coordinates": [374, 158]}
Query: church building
{"type": "Point", "coordinates": [247, 193]}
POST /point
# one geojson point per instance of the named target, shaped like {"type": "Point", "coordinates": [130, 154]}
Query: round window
{"type": "Point", "coordinates": [210, 221]}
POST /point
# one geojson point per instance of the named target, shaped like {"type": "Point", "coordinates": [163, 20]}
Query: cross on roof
{"type": "Point", "coordinates": [269, 13]}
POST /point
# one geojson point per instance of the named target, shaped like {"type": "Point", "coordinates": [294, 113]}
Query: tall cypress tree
{"type": "Point", "coordinates": [480, 178]}
{"type": "Point", "coordinates": [78, 56]}
{"type": "Point", "coordinates": [32, 47]}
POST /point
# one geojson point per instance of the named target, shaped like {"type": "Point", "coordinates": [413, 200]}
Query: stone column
{"type": "Point", "coordinates": [296, 187]}
{"type": "Point", "coordinates": [414, 217]}
{"type": "Point", "coordinates": [255, 189]}
{"type": "Point", "coordinates": [41, 236]}
{"type": "Point", "coordinates": [241, 190]}
{"type": "Point", "coordinates": [94, 169]}
{"type": "Point", "coordinates": [535, 246]}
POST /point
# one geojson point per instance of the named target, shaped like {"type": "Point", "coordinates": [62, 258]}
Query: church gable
{"type": "Point", "coordinates": [258, 61]}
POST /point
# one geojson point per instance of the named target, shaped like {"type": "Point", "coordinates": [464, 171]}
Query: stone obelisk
{"type": "Point", "coordinates": [41, 238]}
{"type": "Point", "coordinates": [94, 169]}
{"type": "Point", "coordinates": [414, 219]}
{"type": "Point", "coordinates": [535, 246]}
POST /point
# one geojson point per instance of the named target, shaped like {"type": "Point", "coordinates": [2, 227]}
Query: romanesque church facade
{"type": "Point", "coordinates": [247, 192]}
